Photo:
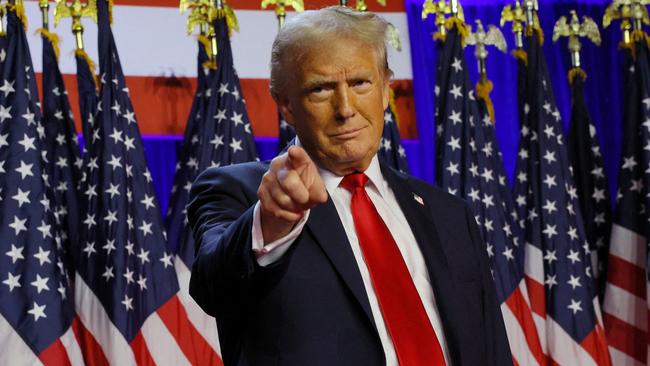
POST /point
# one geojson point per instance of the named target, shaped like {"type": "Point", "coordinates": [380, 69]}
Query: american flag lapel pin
{"type": "Point", "coordinates": [418, 199]}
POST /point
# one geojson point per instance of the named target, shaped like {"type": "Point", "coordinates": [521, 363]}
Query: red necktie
{"type": "Point", "coordinates": [404, 315]}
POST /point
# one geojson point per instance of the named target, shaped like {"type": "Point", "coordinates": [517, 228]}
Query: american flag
{"type": "Point", "coordinates": [61, 147]}
{"type": "Point", "coordinates": [227, 136]}
{"type": "Point", "coordinates": [87, 92]}
{"type": "Point", "coordinates": [180, 235]}
{"type": "Point", "coordinates": [36, 311]}
{"type": "Point", "coordinates": [558, 264]}
{"type": "Point", "coordinates": [471, 168]}
{"type": "Point", "coordinates": [626, 301]}
{"type": "Point", "coordinates": [391, 151]}
{"type": "Point", "coordinates": [591, 183]}
{"type": "Point", "coordinates": [126, 285]}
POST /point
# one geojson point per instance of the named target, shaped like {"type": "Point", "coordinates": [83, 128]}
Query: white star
{"type": "Point", "coordinates": [27, 142]}
{"type": "Point", "coordinates": [457, 65]}
{"type": "Point", "coordinates": [129, 247]}
{"type": "Point", "coordinates": [217, 140]}
{"type": "Point", "coordinates": [3, 141]}
{"type": "Point", "coordinates": [18, 225]}
{"type": "Point", "coordinates": [235, 145]}
{"type": "Point", "coordinates": [223, 89]}
{"type": "Point", "coordinates": [109, 246]}
{"type": "Point", "coordinates": [487, 200]}
{"type": "Point", "coordinates": [113, 190]}
{"type": "Point", "coordinates": [637, 185]}
{"type": "Point", "coordinates": [129, 276]}
{"type": "Point", "coordinates": [575, 306]}
{"type": "Point", "coordinates": [142, 282]}
{"type": "Point", "coordinates": [487, 174]}
{"type": "Point", "coordinates": [115, 162]}
{"type": "Point", "coordinates": [455, 91]}
{"type": "Point", "coordinates": [21, 197]}
{"type": "Point", "coordinates": [574, 282]}
{"type": "Point", "coordinates": [508, 254]}
{"type": "Point", "coordinates": [128, 143]}
{"type": "Point", "coordinates": [127, 302]}
{"type": "Point", "coordinates": [4, 113]}
{"type": "Point", "coordinates": [90, 220]}
{"type": "Point", "coordinates": [45, 229]}
{"type": "Point", "coordinates": [549, 230]}
{"type": "Point", "coordinates": [629, 163]}
{"type": "Point", "coordinates": [111, 217]}
{"type": "Point", "coordinates": [89, 249]}
{"type": "Point", "coordinates": [573, 256]}
{"type": "Point", "coordinates": [487, 149]}
{"type": "Point", "coordinates": [43, 256]}
{"type": "Point", "coordinates": [598, 195]}
{"type": "Point", "coordinates": [116, 108]}
{"type": "Point", "coordinates": [143, 255]}
{"type": "Point", "coordinates": [40, 283]}
{"type": "Point", "coordinates": [454, 143]}
{"type": "Point", "coordinates": [15, 253]}
{"type": "Point", "coordinates": [474, 194]}
{"type": "Point", "coordinates": [108, 273]}
{"type": "Point", "coordinates": [148, 201]}
{"type": "Point", "coordinates": [220, 116]}
{"type": "Point", "coordinates": [166, 260]}
{"type": "Point", "coordinates": [116, 136]}
{"type": "Point", "coordinates": [37, 311]}
{"type": "Point", "coordinates": [147, 175]}
{"type": "Point", "coordinates": [130, 116]}
{"type": "Point", "coordinates": [550, 281]}
{"type": "Point", "coordinates": [474, 170]}
{"type": "Point", "coordinates": [7, 87]}
{"type": "Point", "coordinates": [598, 173]}
{"type": "Point", "coordinates": [490, 250]}
{"type": "Point", "coordinates": [237, 118]}
{"type": "Point", "coordinates": [488, 225]}
{"type": "Point", "coordinates": [549, 156]}
{"type": "Point", "coordinates": [550, 181]}
{"type": "Point", "coordinates": [550, 207]}
{"type": "Point", "coordinates": [452, 168]}
{"type": "Point", "coordinates": [12, 281]}
{"type": "Point", "coordinates": [455, 117]}
{"type": "Point", "coordinates": [25, 169]}
{"type": "Point", "coordinates": [146, 228]}
{"type": "Point", "coordinates": [573, 233]}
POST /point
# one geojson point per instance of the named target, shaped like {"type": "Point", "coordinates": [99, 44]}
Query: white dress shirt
{"type": "Point", "coordinates": [384, 200]}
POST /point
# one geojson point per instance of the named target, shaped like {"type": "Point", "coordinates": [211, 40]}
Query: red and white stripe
{"type": "Point", "coordinates": [64, 351]}
{"type": "Point", "coordinates": [522, 333]}
{"type": "Point", "coordinates": [626, 304]}
{"type": "Point", "coordinates": [558, 346]}
{"type": "Point", "coordinates": [159, 60]}
{"type": "Point", "coordinates": [167, 337]}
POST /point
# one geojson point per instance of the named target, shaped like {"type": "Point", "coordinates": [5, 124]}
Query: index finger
{"type": "Point", "coordinates": [297, 157]}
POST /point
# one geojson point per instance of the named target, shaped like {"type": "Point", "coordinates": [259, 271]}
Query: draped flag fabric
{"type": "Point", "coordinates": [391, 150]}
{"type": "Point", "coordinates": [36, 311]}
{"type": "Point", "coordinates": [63, 159]}
{"type": "Point", "coordinates": [286, 133]}
{"type": "Point", "coordinates": [626, 302]}
{"type": "Point", "coordinates": [126, 285]}
{"type": "Point", "coordinates": [227, 136]}
{"type": "Point", "coordinates": [179, 233]}
{"type": "Point", "coordinates": [558, 263]}
{"type": "Point", "coordinates": [87, 92]}
{"type": "Point", "coordinates": [590, 180]}
{"type": "Point", "coordinates": [472, 169]}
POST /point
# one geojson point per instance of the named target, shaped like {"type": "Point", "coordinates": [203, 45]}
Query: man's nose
{"type": "Point", "coordinates": [344, 103]}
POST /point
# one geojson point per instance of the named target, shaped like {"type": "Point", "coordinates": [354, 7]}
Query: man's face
{"type": "Point", "coordinates": [336, 102]}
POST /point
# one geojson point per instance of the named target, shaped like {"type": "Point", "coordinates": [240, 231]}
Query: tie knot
{"type": "Point", "coordinates": [353, 181]}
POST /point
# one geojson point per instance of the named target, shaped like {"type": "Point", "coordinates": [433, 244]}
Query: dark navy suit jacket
{"type": "Point", "coordinates": [311, 308]}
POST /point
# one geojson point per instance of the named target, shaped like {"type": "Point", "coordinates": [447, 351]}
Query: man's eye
{"type": "Point", "coordinates": [361, 83]}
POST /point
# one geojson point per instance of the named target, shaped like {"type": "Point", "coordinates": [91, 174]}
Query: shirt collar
{"type": "Point", "coordinates": [373, 172]}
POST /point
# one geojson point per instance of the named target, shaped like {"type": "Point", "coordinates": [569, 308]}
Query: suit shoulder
{"type": "Point", "coordinates": [240, 171]}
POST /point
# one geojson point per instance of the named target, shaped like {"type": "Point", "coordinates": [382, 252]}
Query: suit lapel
{"type": "Point", "coordinates": [418, 213]}
{"type": "Point", "coordinates": [325, 225]}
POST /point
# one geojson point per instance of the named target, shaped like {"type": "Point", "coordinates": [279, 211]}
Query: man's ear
{"type": "Point", "coordinates": [386, 94]}
{"type": "Point", "coordinates": [285, 109]}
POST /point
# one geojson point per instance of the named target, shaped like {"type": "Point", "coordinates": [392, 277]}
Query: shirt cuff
{"type": "Point", "coordinates": [272, 252]}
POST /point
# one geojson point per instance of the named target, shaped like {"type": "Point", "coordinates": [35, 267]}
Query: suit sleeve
{"type": "Point", "coordinates": [496, 337]}
{"type": "Point", "coordinates": [221, 214]}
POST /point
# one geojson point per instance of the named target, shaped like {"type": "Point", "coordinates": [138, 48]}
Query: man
{"type": "Point", "coordinates": [324, 256]}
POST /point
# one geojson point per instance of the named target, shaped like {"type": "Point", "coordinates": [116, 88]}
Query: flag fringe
{"type": "Point", "coordinates": [537, 31]}
{"type": "Point", "coordinates": [203, 39]}
{"type": "Point", "coordinates": [53, 38]}
{"type": "Point", "coordinates": [520, 54]}
{"type": "Point", "coordinates": [19, 10]}
{"type": "Point", "coordinates": [483, 90]}
{"type": "Point", "coordinates": [576, 72]}
{"type": "Point", "coordinates": [91, 65]}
